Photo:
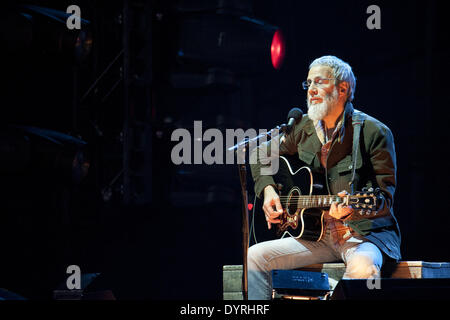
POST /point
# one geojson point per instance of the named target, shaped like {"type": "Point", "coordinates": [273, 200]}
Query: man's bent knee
{"type": "Point", "coordinates": [361, 267]}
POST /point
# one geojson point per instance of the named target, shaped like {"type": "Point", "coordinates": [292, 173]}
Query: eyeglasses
{"type": "Point", "coordinates": [319, 82]}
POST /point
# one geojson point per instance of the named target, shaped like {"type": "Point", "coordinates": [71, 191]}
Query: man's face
{"type": "Point", "coordinates": [322, 95]}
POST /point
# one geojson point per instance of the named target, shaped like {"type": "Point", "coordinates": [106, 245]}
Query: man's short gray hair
{"type": "Point", "coordinates": [341, 71]}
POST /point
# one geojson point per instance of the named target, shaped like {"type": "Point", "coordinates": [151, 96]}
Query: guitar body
{"type": "Point", "coordinates": [295, 180]}
{"type": "Point", "coordinates": [303, 196]}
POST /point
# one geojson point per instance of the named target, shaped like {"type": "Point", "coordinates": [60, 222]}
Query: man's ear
{"type": "Point", "coordinates": [343, 89]}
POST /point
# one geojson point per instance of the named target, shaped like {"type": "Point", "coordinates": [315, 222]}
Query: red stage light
{"type": "Point", "coordinates": [250, 206]}
{"type": "Point", "coordinates": [277, 49]}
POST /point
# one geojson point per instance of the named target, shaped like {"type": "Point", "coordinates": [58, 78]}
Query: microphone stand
{"type": "Point", "coordinates": [240, 149]}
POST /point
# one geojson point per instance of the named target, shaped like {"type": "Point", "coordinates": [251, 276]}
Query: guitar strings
{"type": "Point", "coordinates": [320, 200]}
{"type": "Point", "coordinates": [325, 196]}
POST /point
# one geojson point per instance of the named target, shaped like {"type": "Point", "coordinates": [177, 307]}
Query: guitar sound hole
{"type": "Point", "coordinates": [292, 202]}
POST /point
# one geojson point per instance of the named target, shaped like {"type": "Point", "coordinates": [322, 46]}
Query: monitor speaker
{"type": "Point", "coordinates": [392, 289]}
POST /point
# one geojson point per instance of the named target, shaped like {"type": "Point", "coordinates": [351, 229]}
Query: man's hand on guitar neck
{"type": "Point", "coordinates": [272, 206]}
{"type": "Point", "coordinates": [340, 211]}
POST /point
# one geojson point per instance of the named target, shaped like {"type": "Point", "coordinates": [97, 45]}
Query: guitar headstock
{"type": "Point", "coordinates": [365, 201]}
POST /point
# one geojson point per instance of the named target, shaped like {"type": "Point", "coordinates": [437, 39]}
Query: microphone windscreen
{"type": "Point", "coordinates": [295, 113]}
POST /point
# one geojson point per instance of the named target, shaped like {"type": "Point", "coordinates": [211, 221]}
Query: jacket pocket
{"type": "Point", "coordinates": [306, 156]}
{"type": "Point", "coordinates": [345, 166]}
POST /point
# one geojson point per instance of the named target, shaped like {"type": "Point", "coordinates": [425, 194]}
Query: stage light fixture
{"type": "Point", "coordinates": [45, 151]}
{"type": "Point", "coordinates": [277, 49]}
{"type": "Point", "coordinates": [34, 28]}
{"type": "Point", "coordinates": [53, 36]}
{"type": "Point", "coordinates": [239, 43]}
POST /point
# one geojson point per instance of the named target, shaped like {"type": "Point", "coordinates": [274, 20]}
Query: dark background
{"type": "Point", "coordinates": [159, 231]}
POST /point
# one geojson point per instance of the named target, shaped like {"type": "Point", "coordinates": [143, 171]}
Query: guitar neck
{"type": "Point", "coordinates": [319, 201]}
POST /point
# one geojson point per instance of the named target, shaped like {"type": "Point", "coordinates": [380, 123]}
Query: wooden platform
{"type": "Point", "coordinates": [232, 274]}
{"type": "Point", "coordinates": [400, 270]}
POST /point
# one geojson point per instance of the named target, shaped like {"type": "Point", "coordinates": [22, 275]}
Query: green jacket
{"type": "Point", "coordinates": [375, 167]}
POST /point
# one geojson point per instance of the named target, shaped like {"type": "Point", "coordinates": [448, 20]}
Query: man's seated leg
{"type": "Point", "coordinates": [286, 253]}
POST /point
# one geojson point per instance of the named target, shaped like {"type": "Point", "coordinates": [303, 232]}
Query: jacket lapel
{"type": "Point", "coordinates": [309, 150]}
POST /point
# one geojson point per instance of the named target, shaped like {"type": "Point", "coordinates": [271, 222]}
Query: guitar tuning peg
{"type": "Point", "coordinates": [361, 212]}
{"type": "Point", "coordinates": [370, 189]}
{"type": "Point", "coordinates": [368, 212]}
{"type": "Point", "coordinates": [364, 189]}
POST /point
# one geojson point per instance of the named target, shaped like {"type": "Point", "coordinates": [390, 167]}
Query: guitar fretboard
{"type": "Point", "coordinates": [325, 201]}
{"type": "Point", "coordinates": [315, 201]}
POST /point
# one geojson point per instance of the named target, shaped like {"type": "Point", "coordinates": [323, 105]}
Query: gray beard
{"type": "Point", "coordinates": [321, 110]}
{"type": "Point", "coordinates": [318, 111]}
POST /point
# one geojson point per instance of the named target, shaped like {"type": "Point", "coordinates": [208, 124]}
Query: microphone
{"type": "Point", "coordinates": [293, 116]}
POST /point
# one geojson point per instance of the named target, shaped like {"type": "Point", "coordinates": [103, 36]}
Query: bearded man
{"type": "Point", "coordinates": [324, 141]}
